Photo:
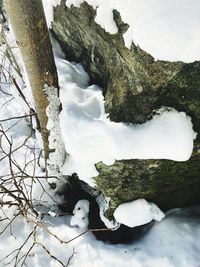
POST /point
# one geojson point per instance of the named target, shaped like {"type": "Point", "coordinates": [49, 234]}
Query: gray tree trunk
{"type": "Point", "coordinates": [29, 25]}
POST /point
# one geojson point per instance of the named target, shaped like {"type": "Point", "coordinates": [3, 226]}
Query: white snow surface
{"type": "Point", "coordinates": [80, 214]}
{"type": "Point", "coordinates": [56, 158]}
{"type": "Point", "coordinates": [168, 30]}
{"type": "Point", "coordinates": [90, 136]}
{"type": "Point", "coordinates": [48, 9]}
{"type": "Point", "coordinates": [137, 213]}
{"type": "Point", "coordinates": [173, 242]}
{"type": "Point", "coordinates": [103, 203]}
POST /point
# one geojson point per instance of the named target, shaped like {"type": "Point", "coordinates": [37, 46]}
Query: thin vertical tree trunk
{"type": "Point", "coordinates": [29, 25]}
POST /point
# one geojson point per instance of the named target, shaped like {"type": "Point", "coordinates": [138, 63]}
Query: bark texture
{"type": "Point", "coordinates": [29, 25]}
{"type": "Point", "coordinates": [130, 78]}
{"type": "Point", "coordinates": [134, 85]}
{"type": "Point", "coordinates": [167, 183]}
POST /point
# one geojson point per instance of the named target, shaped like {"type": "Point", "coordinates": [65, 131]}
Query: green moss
{"type": "Point", "coordinates": [168, 183]}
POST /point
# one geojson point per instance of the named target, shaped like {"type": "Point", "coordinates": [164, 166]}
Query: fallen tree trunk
{"type": "Point", "coordinates": [134, 85]}
{"type": "Point", "coordinates": [167, 183]}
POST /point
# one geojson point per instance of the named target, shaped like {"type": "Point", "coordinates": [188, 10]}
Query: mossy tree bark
{"type": "Point", "coordinates": [134, 85]}
{"type": "Point", "coordinates": [29, 25]}
{"type": "Point", "coordinates": [167, 183]}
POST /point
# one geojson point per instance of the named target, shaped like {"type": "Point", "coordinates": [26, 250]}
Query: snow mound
{"type": "Point", "coordinates": [137, 213]}
{"type": "Point", "coordinates": [80, 214]}
{"type": "Point", "coordinates": [90, 136]}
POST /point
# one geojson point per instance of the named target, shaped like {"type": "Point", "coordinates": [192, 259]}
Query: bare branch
{"type": "Point", "coordinates": [19, 117]}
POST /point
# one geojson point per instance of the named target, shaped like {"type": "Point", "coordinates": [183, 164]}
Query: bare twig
{"type": "Point", "coordinates": [50, 254]}
{"type": "Point", "coordinates": [16, 184]}
{"type": "Point", "coordinates": [18, 117]}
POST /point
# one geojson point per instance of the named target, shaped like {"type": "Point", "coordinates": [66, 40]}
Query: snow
{"type": "Point", "coordinates": [137, 213]}
{"type": "Point", "coordinates": [103, 203]}
{"type": "Point", "coordinates": [168, 30]}
{"type": "Point", "coordinates": [80, 214]}
{"type": "Point", "coordinates": [172, 242]}
{"type": "Point", "coordinates": [90, 136]}
{"type": "Point", "coordinates": [48, 9]}
{"type": "Point", "coordinates": [56, 158]}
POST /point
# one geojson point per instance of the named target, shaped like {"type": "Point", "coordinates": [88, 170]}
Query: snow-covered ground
{"type": "Point", "coordinates": [172, 242]}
